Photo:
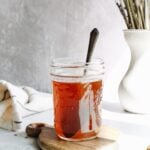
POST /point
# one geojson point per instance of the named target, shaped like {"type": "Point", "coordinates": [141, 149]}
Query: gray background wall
{"type": "Point", "coordinates": [34, 31]}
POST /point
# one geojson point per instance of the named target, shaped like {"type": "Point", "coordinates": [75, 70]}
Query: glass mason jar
{"type": "Point", "coordinates": [77, 93]}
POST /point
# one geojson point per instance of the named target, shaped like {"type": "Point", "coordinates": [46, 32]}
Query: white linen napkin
{"type": "Point", "coordinates": [19, 102]}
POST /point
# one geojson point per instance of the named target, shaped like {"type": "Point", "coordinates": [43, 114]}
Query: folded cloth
{"type": "Point", "coordinates": [19, 102]}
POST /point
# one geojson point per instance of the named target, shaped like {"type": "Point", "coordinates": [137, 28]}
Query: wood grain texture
{"type": "Point", "coordinates": [105, 141]}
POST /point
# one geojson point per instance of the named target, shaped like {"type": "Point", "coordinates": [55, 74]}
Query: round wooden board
{"type": "Point", "coordinates": [105, 141]}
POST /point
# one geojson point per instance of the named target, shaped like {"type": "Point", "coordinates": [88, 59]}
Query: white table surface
{"type": "Point", "coordinates": [134, 129]}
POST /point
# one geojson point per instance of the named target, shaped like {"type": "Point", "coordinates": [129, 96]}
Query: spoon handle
{"type": "Point", "coordinates": [93, 38]}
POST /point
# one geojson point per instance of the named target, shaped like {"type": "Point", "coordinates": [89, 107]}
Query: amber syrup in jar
{"type": "Point", "coordinates": [77, 109]}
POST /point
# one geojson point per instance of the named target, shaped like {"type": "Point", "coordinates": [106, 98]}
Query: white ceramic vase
{"type": "Point", "coordinates": [134, 90]}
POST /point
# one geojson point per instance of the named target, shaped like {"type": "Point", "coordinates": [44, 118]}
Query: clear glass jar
{"type": "Point", "coordinates": [77, 93]}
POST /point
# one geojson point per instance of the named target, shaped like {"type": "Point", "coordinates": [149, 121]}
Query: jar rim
{"type": "Point", "coordinates": [69, 62]}
{"type": "Point", "coordinates": [76, 70]}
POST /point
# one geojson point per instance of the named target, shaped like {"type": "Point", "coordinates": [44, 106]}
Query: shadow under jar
{"type": "Point", "coordinates": [77, 93]}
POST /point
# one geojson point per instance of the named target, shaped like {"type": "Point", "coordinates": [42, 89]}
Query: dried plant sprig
{"type": "Point", "coordinates": [122, 10]}
{"type": "Point", "coordinates": [135, 13]}
{"type": "Point", "coordinates": [146, 14]}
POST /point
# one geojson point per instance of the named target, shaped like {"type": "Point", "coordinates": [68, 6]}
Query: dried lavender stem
{"type": "Point", "coordinates": [139, 16]}
{"type": "Point", "coordinates": [123, 13]}
{"type": "Point", "coordinates": [142, 14]}
{"type": "Point", "coordinates": [146, 14]}
{"type": "Point", "coordinates": [134, 16]}
{"type": "Point", "coordinates": [129, 13]}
